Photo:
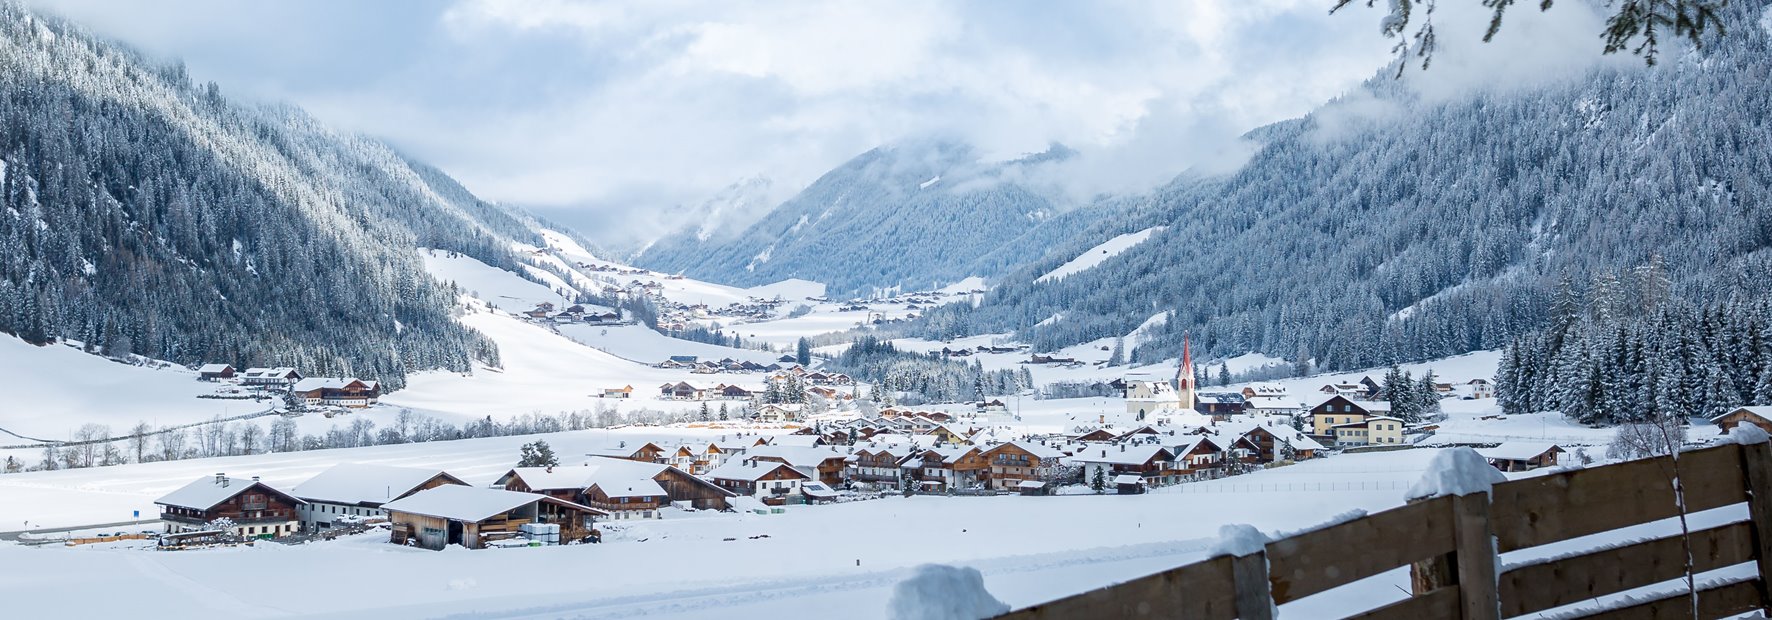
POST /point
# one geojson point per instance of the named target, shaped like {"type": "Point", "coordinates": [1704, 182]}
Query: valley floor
{"type": "Point", "coordinates": [701, 565]}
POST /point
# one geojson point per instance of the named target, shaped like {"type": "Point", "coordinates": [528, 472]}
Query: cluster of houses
{"type": "Point", "coordinates": [575, 313]}
{"type": "Point", "coordinates": [981, 349]}
{"type": "Point", "coordinates": [333, 391]}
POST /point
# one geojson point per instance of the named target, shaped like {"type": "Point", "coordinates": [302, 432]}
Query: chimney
{"type": "Point", "coordinates": [221, 479]}
{"type": "Point", "coordinates": [255, 478]}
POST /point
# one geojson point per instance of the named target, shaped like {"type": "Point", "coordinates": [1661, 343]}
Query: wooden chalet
{"type": "Point", "coordinates": [878, 465]}
{"type": "Point", "coordinates": [949, 467]}
{"type": "Point", "coordinates": [646, 452]}
{"type": "Point", "coordinates": [255, 509]}
{"type": "Point", "coordinates": [616, 476]}
{"type": "Point", "coordinates": [1522, 455]}
{"type": "Point", "coordinates": [1143, 460]}
{"type": "Point", "coordinates": [634, 499]}
{"type": "Point", "coordinates": [342, 392]}
{"type": "Point", "coordinates": [774, 482]}
{"type": "Point", "coordinates": [1760, 416]}
{"type": "Point", "coordinates": [215, 372]}
{"type": "Point", "coordinates": [1199, 453]}
{"type": "Point", "coordinates": [473, 516]}
{"type": "Point", "coordinates": [1017, 461]}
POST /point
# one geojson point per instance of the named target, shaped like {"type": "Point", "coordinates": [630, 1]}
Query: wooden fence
{"type": "Point", "coordinates": [71, 542]}
{"type": "Point", "coordinates": [1451, 543]}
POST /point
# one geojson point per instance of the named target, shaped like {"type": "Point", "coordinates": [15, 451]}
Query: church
{"type": "Point", "coordinates": [1147, 395]}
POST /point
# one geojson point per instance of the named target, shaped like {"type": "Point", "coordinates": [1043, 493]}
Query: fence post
{"type": "Point", "coordinates": [1254, 598]}
{"type": "Point", "coordinates": [1474, 557]}
{"type": "Point", "coordinates": [1471, 565]}
{"type": "Point", "coordinates": [1757, 469]}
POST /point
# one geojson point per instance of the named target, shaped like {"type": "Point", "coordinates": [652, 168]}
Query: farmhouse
{"type": "Point", "coordinates": [1017, 461]}
{"type": "Point", "coordinates": [949, 467]}
{"type": "Point", "coordinates": [616, 477]}
{"type": "Point", "coordinates": [357, 491]}
{"type": "Point", "coordinates": [471, 516]}
{"type": "Point", "coordinates": [825, 464]}
{"type": "Point", "coordinates": [215, 372]}
{"type": "Point", "coordinates": [248, 509]}
{"type": "Point", "coordinates": [774, 482]}
{"type": "Point", "coordinates": [1143, 461]}
{"type": "Point", "coordinates": [343, 392]}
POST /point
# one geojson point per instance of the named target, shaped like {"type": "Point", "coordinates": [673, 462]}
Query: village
{"type": "Point", "coordinates": [835, 457]}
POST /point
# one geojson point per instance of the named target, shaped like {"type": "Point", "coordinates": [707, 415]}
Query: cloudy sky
{"type": "Point", "coordinates": [600, 113]}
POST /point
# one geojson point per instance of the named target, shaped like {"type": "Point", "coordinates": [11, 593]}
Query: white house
{"type": "Point", "coordinates": [351, 492]}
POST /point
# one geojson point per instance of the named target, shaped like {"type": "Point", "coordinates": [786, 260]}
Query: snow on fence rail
{"type": "Point", "coordinates": [1451, 542]}
{"type": "Point", "coordinates": [1290, 487]}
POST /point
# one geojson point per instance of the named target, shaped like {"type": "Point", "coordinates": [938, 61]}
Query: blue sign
{"type": "Point", "coordinates": [136, 513]}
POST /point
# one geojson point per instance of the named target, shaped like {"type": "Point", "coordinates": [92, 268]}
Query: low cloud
{"type": "Point", "coordinates": [624, 109]}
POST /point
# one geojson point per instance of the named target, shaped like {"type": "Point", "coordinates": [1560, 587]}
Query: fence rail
{"type": "Point", "coordinates": [1450, 545]}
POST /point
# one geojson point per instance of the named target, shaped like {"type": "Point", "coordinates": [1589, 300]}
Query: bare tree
{"type": "Point", "coordinates": [138, 440]}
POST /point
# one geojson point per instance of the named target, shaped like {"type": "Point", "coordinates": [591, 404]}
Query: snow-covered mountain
{"type": "Point", "coordinates": [1436, 227]}
{"type": "Point", "coordinates": [145, 214]}
{"type": "Point", "coordinates": [915, 215]}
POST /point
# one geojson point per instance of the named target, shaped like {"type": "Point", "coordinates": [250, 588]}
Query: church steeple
{"type": "Point", "coordinates": [1184, 376]}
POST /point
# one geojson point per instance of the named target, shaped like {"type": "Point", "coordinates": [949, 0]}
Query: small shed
{"type": "Point", "coordinates": [1129, 484]}
{"type": "Point", "coordinates": [1522, 456]}
{"type": "Point", "coordinates": [1760, 416]}
{"type": "Point", "coordinates": [1031, 487]}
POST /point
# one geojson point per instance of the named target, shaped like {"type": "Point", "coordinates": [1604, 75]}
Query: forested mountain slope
{"type": "Point", "coordinates": [144, 214]}
{"type": "Point", "coordinates": [1438, 227]}
{"type": "Point", "coordinates": [911, 215]}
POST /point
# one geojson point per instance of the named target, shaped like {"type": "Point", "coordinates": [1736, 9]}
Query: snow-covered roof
{"type": "Point", "coordinates": [800, 456]}
{"type": "Point", "coordinates": [1040, 450]}
{"type": "Point", "coordinates": [213, 368]}
{"type": "Point", "coordinates": [1031, 484]}
{"type": "Point", "coordinates": [1267, 389]}
{"type": "Point", "coordinates": [206, 492]}
{"type": "Point", "coordinates": [644, 487]}
{"type": "Point", "coordinates": [1274, 402]}
{"type": "Point", "coordinates": [1764, 411]}
{"type": "Point", "coordinates": [594, 470]}
{"type": "Point", "coordinates": [1122, 454]}
{"type": "Point", "coordinates": [1127, 479]}
{"type": "Point", "coordinates": [1517, 450]}
{"type": "Point", "coordinates": [327, 383]}
{"type": "Point", "coordinates": [279, 371]}
{"type": "Point", "coordinates": [470, 504]}
{"type": "Point", "coordinates": [748, 470]}
{"type": "Point", "coordinates": [363, 483]}
{"type": "Point", "coordinates": [804, 441]}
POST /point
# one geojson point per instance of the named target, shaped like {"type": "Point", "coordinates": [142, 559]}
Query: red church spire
{"type": "Point", "coordinates": [1184, 376]}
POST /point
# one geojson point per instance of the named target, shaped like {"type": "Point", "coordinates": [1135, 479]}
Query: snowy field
{"type": "Point", "coordinates": [1097, 255]}
{"type": "Point", "coordinates": [799, 564]}
{"type": "Point", "coordinates": [53, 390]}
